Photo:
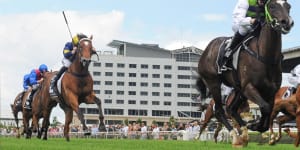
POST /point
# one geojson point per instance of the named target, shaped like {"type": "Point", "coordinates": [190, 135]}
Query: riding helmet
{"type": "Point", "coordinates": [43, 68]}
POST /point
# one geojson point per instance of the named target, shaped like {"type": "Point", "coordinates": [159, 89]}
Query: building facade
{"type": "Point", "coordinates": [143, 81]}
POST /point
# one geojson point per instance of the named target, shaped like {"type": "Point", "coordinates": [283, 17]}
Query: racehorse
{"type": "Point", "coordinates": [42, 106]}
{"type": "Point", "coordinates": [16, 107]}
{"type": "Point", "coordinates": [257, 76]}
{"type": "Point", "coordinates": [77, 87]}
{"type": "Point", "coordinates": [27, 115]}
{"type": "Point", "coordinates": [286, 105]}
{"type": "Point", "coordinates": [209, 114]}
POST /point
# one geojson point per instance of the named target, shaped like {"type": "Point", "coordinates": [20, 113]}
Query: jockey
{"type": "Point", "coordinates": [295, 78]}
{"type": "Point", "coordinates": [68, 51]}
{"type": "Point", "coordinates": [225, 92]}
{"type": "Point", "coordinates": [245, 16]}
{"type": "Point", "coordinates": [26, 83]}
{"type": "Point", "coordinates": [35, 78]}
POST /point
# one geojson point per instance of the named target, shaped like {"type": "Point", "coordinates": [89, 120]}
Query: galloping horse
{"type": "Point", "coordinates": [287, 106]}
{"type": "Point", "coordinates": [77, 87]}
{"type": "Point", "coordinates": [257, 75]}
{"type": "Point", "coordinates": [16, 107]}
{"type": "Point", "coordinates": [42, 106]}
{"type": "Point", "coordinates": [209, 114]}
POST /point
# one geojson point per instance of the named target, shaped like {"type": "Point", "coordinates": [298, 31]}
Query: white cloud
{"type": "Point", "coordinates": [214, 17]}
{"type": "Point", "coordinates": [28, 40]}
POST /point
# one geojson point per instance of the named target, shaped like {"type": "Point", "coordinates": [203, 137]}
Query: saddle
{"type": "Point", "coordinates": [233, 61]}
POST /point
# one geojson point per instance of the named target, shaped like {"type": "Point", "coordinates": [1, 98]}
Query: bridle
{"type": "Point", "coordinates": [83, 60]}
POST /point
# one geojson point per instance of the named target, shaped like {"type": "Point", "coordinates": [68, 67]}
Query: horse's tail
{"type": "Point", "coordinates": [201, 87]}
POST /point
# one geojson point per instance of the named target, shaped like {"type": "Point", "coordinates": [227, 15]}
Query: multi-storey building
{"type": "Point", "coordinates": [145, 81]}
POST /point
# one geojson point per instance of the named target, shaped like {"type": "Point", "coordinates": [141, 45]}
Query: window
{"type": "Point", "coordinates": [96, 73]}
{"type": "Point", "coordinates": [167, 103]}
{"type": "Point", "coordinates": [183, 95]}
{"type": "Point", "coordinates": [97, 82]}
{"type": "Point", "coordinates": [167, 76]}
{"type": "Point", "coordinates": [132, 74]}
{"type": "Point", "coordinates": [97, 64]}
{"type": "Point", "coordinates": [120, 92]}
{"type": "Point", "coordinates": [183, 104]}
{"type": "Point", "coordinates": [155, 85]}
{"type": "Point", "coordinates": [97, 91]}
{"type": "Point", "coordinates": [108, 101]}
{"type": "Point", "coordinates": [120, 74]}
{"type": "Point", "coordinates": [144, 93]}
{"type": "Point", "coordinates": [120, 65]}
{"type": "Point", "coordinates": [155, 93]}
{"type": "Point", "coordinates": [109, 65]}
{"type": "Point", "coordinates": [120, 101]}
{"type": "Point", "coordinates": [155, 102]}
{"type": "Point", "coordinates": [144, 66]}
{"type": "Point", "coordinates": [88, 121]}
{"type": "Point", "coordinates": [155, 75]}
{"type": "Point", "coordinates": [108, 82]}
{"type": "Point", "coordinates": [108, 74]}
{"type": "Point", "coordinates": [168, 85]}
{"type": "Point", "coordinates": [184, 77]}
{"type": "Point", "coordinates": [168, 67]}
{"type": "Point", "coordinates": [131, 101]}
{"type": "Point", "coordinates": [144, 102]}
{"type": "Point", "coordinates": [168, 94]}
{"type": "Point", "coordinates": [113, 111]}
{"type": "Point", "coordinates": [161, 113]}
{"type": "Point", "coordinates": [184, 68]}
{"type": "Point", "coordinates": [108, 91]}
{"type": "Point", "coordinates": [183, 86]}
{"type": "Point", "coordinates": [120, 83]}
{"type": "Point", "coordinates": [131, 93]}
{"type": "Point", "coordinates": [132, 83]}
{"type": "Point", "coordinates": [92, 111]}
{"type": "Point", "coordinates": [144, 75]}
{"type": "Point", "coordinates": [136, 112]}
{"type": "Point", "coordinates": [144, 84]}
{"type": "Point", "coordinates": [132, 65]}
{"type": "Point", "coordinates": [155, 66]}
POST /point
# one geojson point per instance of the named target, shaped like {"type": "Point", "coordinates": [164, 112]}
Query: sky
{"type": "Point", "coordinates": [34, 31]}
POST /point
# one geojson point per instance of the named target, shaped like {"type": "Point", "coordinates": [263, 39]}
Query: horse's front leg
{"type": "Point", "coordinates": [68, 119]}
{"type": "Point", "coordinates": [252, 94]}
{"type": "Point", "coordinates": [208, 115]}
{"type": "Point", "coordinates": [93, 99]}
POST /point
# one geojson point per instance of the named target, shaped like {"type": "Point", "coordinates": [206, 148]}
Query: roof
{"type": "Point", "coordinates": [291, 49]}
{"type": "Point", "coordinates": [117, 44]}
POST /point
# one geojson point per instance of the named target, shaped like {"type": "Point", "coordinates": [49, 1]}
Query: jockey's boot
{"type": "Point", "coordinates": [28, 101]}
{"type": "Point", "coordinates": [52, 90]}
{"type": "Point", "coordinates": [230, 49]}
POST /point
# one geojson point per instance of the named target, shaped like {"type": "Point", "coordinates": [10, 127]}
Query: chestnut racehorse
{"type": "Point", "coordinates": [285, 105]}
{"type": "Point", "coordinates": [257, 75]}
{"type": "Point", "coordinates": [77, 87]}
{"type": "Point", "coordinates": [210, 113]}
{"type": "Point", "coordinates": [42, 106]}
{"type": "Point", "coordinates": [16, 107]}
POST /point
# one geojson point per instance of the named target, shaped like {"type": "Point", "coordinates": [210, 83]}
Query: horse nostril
{"type": "Point", "coordinates": [284, 22]}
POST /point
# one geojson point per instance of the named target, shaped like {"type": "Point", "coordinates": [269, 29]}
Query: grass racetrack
{"type": "Point", "coordinates": [11, 143]}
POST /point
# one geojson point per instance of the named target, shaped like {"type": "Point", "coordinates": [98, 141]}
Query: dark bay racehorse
{"type": "Point", "coordinates": [16, 107]}
{"type": "Point", "coordinates": [287, 106]}
{"type": "Point", "coordinates": [210, 113]}
{"type": "Point", "coordinates": [77, 87]}
{"type": "Point", "coordinates": [27, 115]}
{"type": "Point", "coordinates": [258, 73]}
{"type": "Point", "coordinates": [42, 106]}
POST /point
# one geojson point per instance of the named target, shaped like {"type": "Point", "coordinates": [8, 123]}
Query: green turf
{"type": "Point", "coordinates": [122, 144]}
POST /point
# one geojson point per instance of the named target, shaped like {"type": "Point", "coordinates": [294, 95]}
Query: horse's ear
{"type": "Point", "coordinates": [91, 37]}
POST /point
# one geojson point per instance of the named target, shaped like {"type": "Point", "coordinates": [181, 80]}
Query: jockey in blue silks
{"type": "Point", "coordinates": [35, 78]}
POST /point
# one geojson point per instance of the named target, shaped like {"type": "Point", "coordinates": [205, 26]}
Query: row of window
{"type": "Point", "coordinates": [143, 75]}
{"type": "Point", "coordinates": [144, 93]}
{"type": "Point", "coordinates": [143, 84]}
{"type": "Point", "coordinates": [142, 102]}
{"type": "Point", "coordinates": [143, 66]}
{"type": "Point", "coordinates": [141, 112]}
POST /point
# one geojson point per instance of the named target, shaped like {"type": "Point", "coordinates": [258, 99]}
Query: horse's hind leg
{"type": "Point", "coordinates": [208, 115]}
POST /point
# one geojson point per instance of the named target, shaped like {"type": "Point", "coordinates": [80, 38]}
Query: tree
{"type": "Point", "coordinates": [139, 121]}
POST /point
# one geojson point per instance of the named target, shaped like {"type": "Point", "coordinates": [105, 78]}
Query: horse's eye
{"type": "Point", "coordinates": [287, 6]}
{"type": "Point", "coordinates": [272, 6]}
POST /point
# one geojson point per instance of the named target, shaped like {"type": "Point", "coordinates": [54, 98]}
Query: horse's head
{"type": "Point", "coordinates": [278, 14]}
{"type": "Point", "coordinates": [85, 51]}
